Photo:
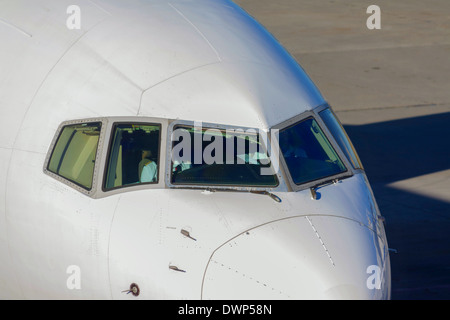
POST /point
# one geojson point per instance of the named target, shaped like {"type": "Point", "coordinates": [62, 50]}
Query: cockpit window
{"type": "Point", "coordinates": [219, 157]}
{"type": "Point", "coordinates": [133, 155]}
{"type": "Point", "coordinates": [74, 154]}
{"type": "Point", "coordinates": [341, 137]}
{"type": "Point", "coordinates": [308, 154]}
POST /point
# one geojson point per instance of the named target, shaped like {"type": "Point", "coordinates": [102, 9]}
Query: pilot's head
{"type": "Point", "coordinates": [146, 153]}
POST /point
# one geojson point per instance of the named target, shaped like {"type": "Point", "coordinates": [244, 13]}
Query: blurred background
{"type": "Point", "coordinates": [391, 90]}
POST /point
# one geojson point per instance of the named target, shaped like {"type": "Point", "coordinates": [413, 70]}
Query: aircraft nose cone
{"type": "Point", "coordinates": [308, 257]}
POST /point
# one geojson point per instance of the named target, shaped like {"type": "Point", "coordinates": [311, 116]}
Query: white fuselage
{"type": "Point", "coordinates": [165, 61]}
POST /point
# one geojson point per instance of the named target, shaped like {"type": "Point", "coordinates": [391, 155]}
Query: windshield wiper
{"type": "Point", "coordinates": [273, 196]}
{"type": "Point", "coordinates": [314, 188]}
{"type": "Point", "coordinates": [263, 192]}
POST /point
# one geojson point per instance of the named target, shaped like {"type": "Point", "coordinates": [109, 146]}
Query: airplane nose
{"type": "Point", "coordinates": [307, 257]}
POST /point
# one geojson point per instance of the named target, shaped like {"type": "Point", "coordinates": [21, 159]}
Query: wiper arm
{"type": "Point", "coordinates": [273, 196]}
{"type": "Point", "coordinates": [314, 188]}
{"type": "Point", "coordinates": [263, 192]}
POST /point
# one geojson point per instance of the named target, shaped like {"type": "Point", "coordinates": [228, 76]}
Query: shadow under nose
{"type": "Point", "coordinates": [415, 153]}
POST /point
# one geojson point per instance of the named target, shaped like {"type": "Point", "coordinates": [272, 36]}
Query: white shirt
{"type": "Point", "coordinates": [149, 172]}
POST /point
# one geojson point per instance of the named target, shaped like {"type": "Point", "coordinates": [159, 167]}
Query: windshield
{"type": "Point", "coordinates": [220, 158]}
{"type": "Point", "coordinates": [133, 155]}
{"type": "Point", "coordinates": [308, 154]}
{"type": "Point", "coordinates": [74, 154]}
{"type": "Point", "coordinates": [341, 137]}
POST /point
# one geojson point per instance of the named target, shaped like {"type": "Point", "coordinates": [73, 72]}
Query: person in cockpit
{"type": "Point", "coordinates": [291, 147]}
{"type": "Point", "coordinates": [147, 168]}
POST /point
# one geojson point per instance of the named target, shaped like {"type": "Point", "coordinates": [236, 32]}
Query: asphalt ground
{"type": "Point", "coordinates": [390, 87]}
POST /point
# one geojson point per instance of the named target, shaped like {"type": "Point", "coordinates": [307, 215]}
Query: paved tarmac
{"type": "Point", "coordinates": [391, 89]}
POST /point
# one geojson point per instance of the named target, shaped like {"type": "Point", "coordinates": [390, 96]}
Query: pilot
{"type": "Point", "coordinates": [181, 166]}
{"type": "Point", "coordinates": [291, 147]}
{"type": "Point", "coordinates": [147, 168]}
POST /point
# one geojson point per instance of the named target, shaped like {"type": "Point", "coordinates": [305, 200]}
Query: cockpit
{"type": "Point", "coordinates": [134, 155]}
{"type": "Point", "coordinates": [101, 157]}
{"type": "Point", "coordinates": [219, 157]}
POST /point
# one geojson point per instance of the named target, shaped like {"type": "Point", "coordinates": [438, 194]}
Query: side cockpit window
{"type": "Point", "coordinates": [74, 154]}
{"type": "Point", "coordinates": [338, 132]}
{"type": "Point", "coordinates": [308, 153]}
{"type": "Point", "coordinates": [133, 155]}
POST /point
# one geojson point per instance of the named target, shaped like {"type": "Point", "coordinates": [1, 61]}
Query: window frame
{"type": "Point", "coordinates": [98, 157]}
{"type": "Point", "coordinates": [109, 148]}
{"type": "Point", "coordinates": [206, 125]}
{"type": "Point", "coordinates": [302, 117]}
{"type": "Point", "coordinates": [101, 192]}
{"type": "Point", "coordinates": [103, 148]}
{"type": "Point", "coordinates": [284, 179]}
{"type": "Point", "coordinates": [360, 166]}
